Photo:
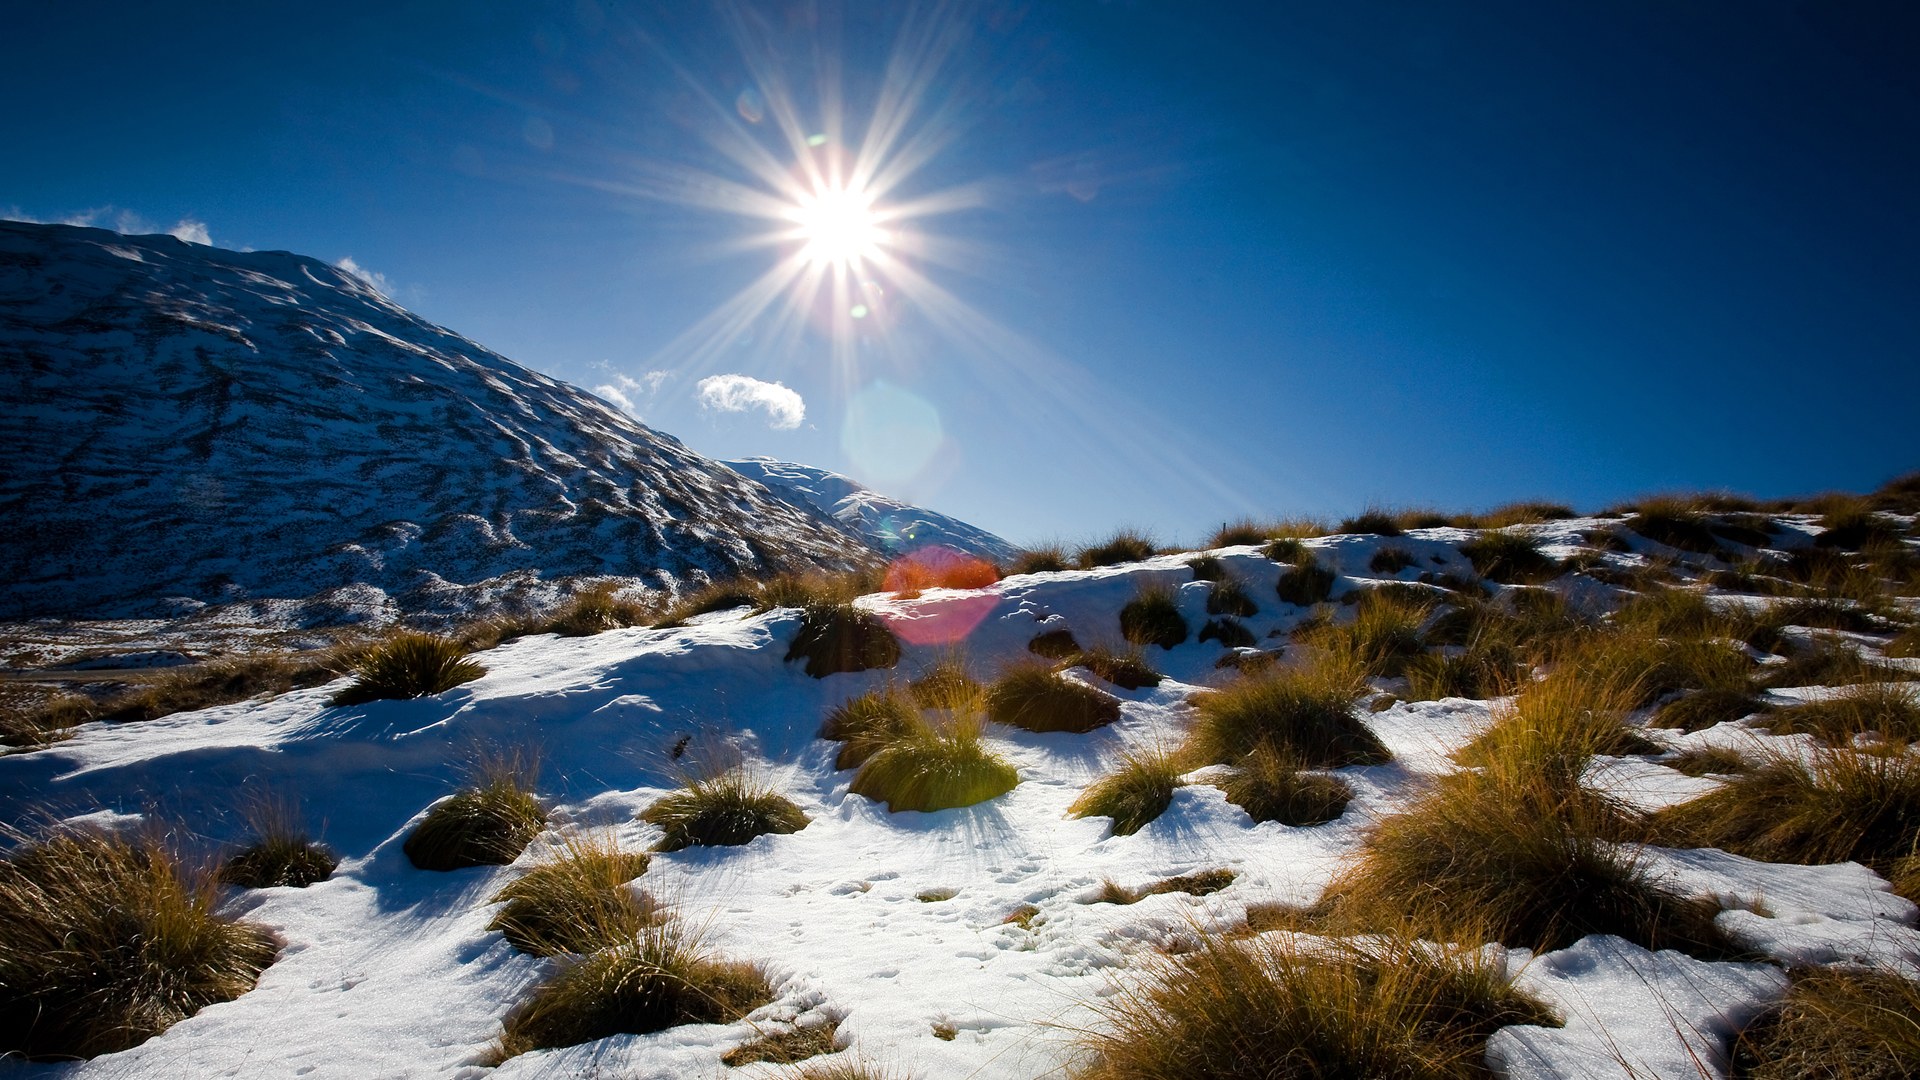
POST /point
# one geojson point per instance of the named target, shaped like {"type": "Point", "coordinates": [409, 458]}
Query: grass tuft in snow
{"type": "Point", "coordinates": [596, 610]}
{"type": "Point", "coordinates": [837, 637]}
{"type": "Point", "coordinates": [1391, 560]}
{"type": "Point", "coordinates": [1033, 697]}
{"type": "Point", "coordinates": [843, 1067]}
{"type": "Point", "coordinates": [1885, 711]}
{"type": "Point", "coordinates": [1139, 789]}
{"type": "Point", "coordinates": [1384, 634]}
{"type": "Point", "coordinates": [106, 941]}
{"type": "Point", "coordinates": [1831, 661]}
{"type": "Point", "coordinates": [1837, 805]}
{"type": "Point", "coordinates": [1372, 522]}
{"type": "Point", "coordinates": [1207, 568]}
{"type": "Point", "coordinates": [1554, 727]}
{"type": "Point", "coordinates": [1278, 1008]}
{"type": "Point", "coordinates": [1124, 546]}
{"type": "Point", "coordinates": [864, 724]}
{"type": "Point", "coordinates": [1523, 513]}
{"type": "Point", "coordinates": [1230, 633]}
{"type": "Point", "coordinates": [1128, 670]}
{"type": "Point", "coordinates": [1306, 583]}
{"type": "Point", "coordinates": [784, 1046]}
{"type": "Point", "coordinates": [1229, 597]}
{"type": "Point", "coordinates": [661, 977]}
{"type": "Point", "coordinates": [1041, 559]}
{"type": "Point", "coordinates": [936, 764]}
{"type": "Point", "coordinates": [1904, 644]}
{"type": "Point", "coordinates": [944, 684]}
{"type": "Point", "coordinates": [1306, 713]}
{"type": "Point", "coordinates": [408, 665]}
{"type": "Point", "coordinates": [220, 681]}
{"type": "Point", "coordinates": [281, 854]}
{"type": "Point", "coordinates": [1488, 667]}
{"type": "Point", "coordinates": [723, 810]}
{"type": "Point", "coordinates": [1270, 785]}
{"type": "Point", "coordinates": [577, 900]}
{"type": "Point", "coordinates": [1153, 617]}
{"type": "Point", "coordinates": [1675, 523]}
{"type": "Point", "coordinates": [1835, 1025]}
{"type": "Point", "coordinates": [1708, 761]}
{"type": "Point", "coordinates": [488, 823]}
{"type": "Point", "coordinates": [1054, 644]}
{"type": "Point", "coordinates": [1510, 558]}
{"type": "Point", "coordinates": [1703, 709]}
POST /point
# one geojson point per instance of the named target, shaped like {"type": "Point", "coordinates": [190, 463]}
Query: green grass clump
{"type": "Point", "coordinates": [1877, 710]}
{"type": "Point", "coordinates": [1139, 789]}
{"type": "Point", "coordinates": [1229, 597]}
{"type": "Point", "coordinates": [1153, 617]}
{"type": "Point", "coordinates": [1838, 805]}
{"type": "Point", "coordinates": [281, 854]}
{"type": "Point", "coordinates": [1511, 558]}
{"type": "Point", "coordinates": [1124, 546]}
{"type": "Point", "coordinates": [1033, 697]}
{"type": "Point", "coordinates": [724, 810]}
{"type": "Point", "coordinates": [1703, 709]}
{"type": "Point", "coordinates": [1307, 583]}
{"type": "Point", "coordinates": [936, 765]}
{"type": "Point", "coordinates": [488, 823]}
{"type": "Point", "coordinates": [1275, 1008]}
{"type": "Point", "coordinates": [1271, 786]}
{"type": "Point", "coordinates": [1228, 632]}
{"type": "Point", "coordinates": [1308, 714]}
{"type": "Point", "coordinates": [1372, 522]}
{"type": "Point", "coordinates": [1835, 1025]}
{"type": "Point", "coordinates": [1384, 634]}
{"type": "Point", "coordinates": [576, 901]}
{"type": "Point", "coordinates": [837, 637]}
{"type": "Point", "coordinates": [408, 665]}
{"type": "Point", "coordinates": [660, 978]}
{"type": "Point", "coordinates": [1128, 670]}
{"type": "Point", "coordinates": [106, 941]}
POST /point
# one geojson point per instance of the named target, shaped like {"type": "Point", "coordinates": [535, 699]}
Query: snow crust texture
{"type": "Point", "coordinates": [185, 425]}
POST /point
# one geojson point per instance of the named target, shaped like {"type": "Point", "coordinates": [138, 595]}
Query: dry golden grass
{"type": "Point", "coordinates": [1383, 635]}
{"type": "Point", "coordinates": [935, 764]}
{"type": "Point", "coordinates": [1511, 558]}
{"type": "Point", "coordinates": [1139, 789]}
{"type": "Point", "coordinates": [576, 900]}
{"type": "Point", "coordinates": [280, 853]}
{"type": "Point", "coordinates": [725, 809]}
{"type": "Point", "coordinates": [1885, 711]}
{"type": "Point", "coordinates": [1836, 1025]}
{"type": "Point", "coordinates": [1271, 785]}
{"type": "Point", "coordinates": [1124, 546]}
{"type": "Point", "coordinates": [1126, 670]}
{"type": "Point", "coordinates": [488, 823]}
{"type": "Point", "coordinates": [1033, 697]}
{"type": "Point", "coordinates": [1041, 559]}
{"type": "Point", "coordinates": [408, 665]}
{"type": "Point", "coordinates": [1306, 713]}
{"type": "Point", "coordinates": [837, 637]}
{"type": "Point", "coordinates": [106, 941]}
{"type": "Point", "coordinates": [784, 1045]}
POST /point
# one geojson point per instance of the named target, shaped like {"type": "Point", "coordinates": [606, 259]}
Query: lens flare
{"type": "Point", "coordinates": [839, 226]}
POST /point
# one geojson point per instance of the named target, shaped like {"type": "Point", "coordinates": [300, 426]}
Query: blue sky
{"type": "Point", "coordinates": [1200, 260]}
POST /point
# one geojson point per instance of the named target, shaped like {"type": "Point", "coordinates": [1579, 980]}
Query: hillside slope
{"type": "Point", "coordinates": [186, 425]}
{"type": "Point", "coordinates": [885, 522]}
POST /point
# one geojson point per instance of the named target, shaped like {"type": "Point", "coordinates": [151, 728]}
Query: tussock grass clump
{"type": "Point", "coordinates": [1270, 785]}
{"type": "Point", "coordinates": [1139, 789]}
{"type": "Point", "coordinates": [785, 1045]}
{"type": "Point", "coordinates": [1490, 667]}
{"type": "Point", "coordinates": [936, 765]}
{"type": "Point", "coordinates": [488, 823]}
{"type": "Point", "coordinates": [1236, 533]}
{"type": "Point", "coordinates": [576, 901]}
{"type": "Point", "coordinates": [46, 723]}
{"type": "Point", "coordinates": [1838, 805]}
{"type": "Point", "coordinates": [724, 810]}
{"type": "Point", "coordinates": [1679, 613]}
{"type": "Point", "coordinates": [1651, 667]}
{"type": "Point", "coordinates": [866, 723]}
{"type": "Point", "coordinates": [1835, 1025]}
{"type": "Point", "coordinates": [1124, 546]}
{"type": "Point", "coordinates": [1128, 670]}
{"type": "Point", "coordinates": [1830, 661]}
{"type": "Point", "coordinates": [844, 1067]}
{"type": "Point", "coordinates": [1041, 559]}
{"type": "Point", "coordinates": [1228, 632]}
{"type": "Point", "coordinates": [1703, 709]}
{"type": "Point", "coordinates": [1523, 513]}
{"type": "Point", "coordinates": [1153, 617]}
{"type": "Point", "coordinates": [1371, 522]}
{"type": "Point", "coordinates": [408, 665]}
{"type": "Point", "coordinates": [707, 599]}
{"type": "Point", "coordinates": [1855, 526]}
{"type": "Point", "coordinates": [1384, 634]}
{"type": "Point", "coordinates": [1708, 761]}
{"type": "Point", "coordinates": [1390, 560]}
{"type": "Point", "coordinates": [106, 941]}
{"type": "Point", "coordinates": [220, 681]}
{"type": "Point", "coordinates": [1878, 710]}
{"type": "Point", "coordinates": [1904, 644]}
{"type": "Point", "coordinates": [943, 684]}
{"type": "Point", "coordinates": [661, 977]}
{"type": "Point", "coordinates": [1675, 524]}
{"type": "Point", "coordinates": [837, 637]}
{"type": "Point", "coordinates": [1277, 1008]}
{"type": "Point", "coordinates": [1034, 697]}
{"type": "Point", "coordinates": [597, 610]}
{"type": "Point", "coordinates": [1054, 644]}
{"type": "Point", "coordinates": [1555, 726]}
{"type": "Point", "coordinates": [817, 589]}
{"type": "Point", "coordinates": [939, 568]}
{"type": "Point", "coordinates": [1229, 597]}
{"type": "Point", "coordinates": [1207, 568]}
{"type": "Point", "coordinates": [1510, 558]}
{"type": "Point", "coordinates": [281, 854]}
{"type": "Point", "coordinates": [1307, 583]}
{"type": "Point", "coordinates": [1198, 883]}
{"type": "Point", "coordinates": [1285, 549]}
{"type": "Point", "coordinates": [1764, 630]}
{"type": "Point", "coordinates": [1308, 714]}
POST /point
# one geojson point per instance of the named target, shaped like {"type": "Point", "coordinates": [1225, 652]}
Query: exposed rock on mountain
{"type": "Point", "coordinates": [185, 425]}
{"type": "Point", "coordinates": [887, 523]}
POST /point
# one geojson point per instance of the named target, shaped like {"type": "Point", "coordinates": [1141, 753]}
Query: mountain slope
{"type": "Point", "coordinates": [887, 523]}
{"type": "Point", "coordinates": [187, 425]}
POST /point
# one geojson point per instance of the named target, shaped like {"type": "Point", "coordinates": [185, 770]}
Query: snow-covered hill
{"type": "Point", "coordinates": [186, 425]}
{"type": "Point", "coordinates": [886, 522]}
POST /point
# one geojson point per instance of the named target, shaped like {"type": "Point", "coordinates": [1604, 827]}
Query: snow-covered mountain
{"type": "Point", "coordinates": [885, 522]}
{"type": "Point", "coordinates": [187, 425]}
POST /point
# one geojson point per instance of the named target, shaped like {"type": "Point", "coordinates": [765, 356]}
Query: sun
{"type": "Point", "coordinates": [838, 226]}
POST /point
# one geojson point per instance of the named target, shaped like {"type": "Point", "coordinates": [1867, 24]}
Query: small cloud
{"type": "Point", "coordinates": [624, 388]}
{"type": "Point", "coordinates": [613, 395]}
{"type": "Point", "coordinates": [652, 380]}
{"type": "Point", "coordinates": [738, 393]}
{"type": "Point", "coordinates": [372, 279]}
{"type": "Point", "coordinates": [193, 232]}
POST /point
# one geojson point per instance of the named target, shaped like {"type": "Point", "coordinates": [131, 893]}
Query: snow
{"type": "Point", "coordinates": [389, 970]}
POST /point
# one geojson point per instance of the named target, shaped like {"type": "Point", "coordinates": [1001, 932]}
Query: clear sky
{"type": "Point", "coordinates": [1152, 263]}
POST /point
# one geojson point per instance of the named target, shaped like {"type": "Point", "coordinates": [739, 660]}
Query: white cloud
{"type": "Point", "coordinates": [624, 388]}
{"type": "Point", "coordinates": [372, 279]}
{"type": "Point", "coordinates": [738, 393]}
{"type": "Point", "coordinates": [193, 232]}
